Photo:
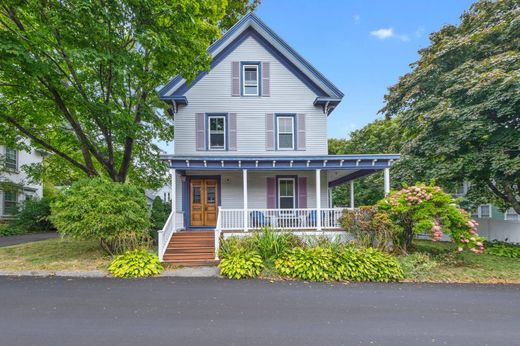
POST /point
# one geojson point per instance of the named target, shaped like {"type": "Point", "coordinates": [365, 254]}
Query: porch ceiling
{"type": "Point", "coordinates": [350, 163]}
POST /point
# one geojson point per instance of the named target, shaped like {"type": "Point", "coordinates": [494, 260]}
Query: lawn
{"type": "Point", "coordinates": [444, 264]}
{"type": "Point", "coordinates": [54, 255]}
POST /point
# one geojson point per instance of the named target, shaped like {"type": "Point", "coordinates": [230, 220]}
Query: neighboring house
{"type": "Point", "coordinates": [11, 173]}
{"type": "Point", "coordinates": [494, 224]}
{"type": "Point", "coordinates": [251, 142]}
{"type": "Point", "coordinates": [164, 193]}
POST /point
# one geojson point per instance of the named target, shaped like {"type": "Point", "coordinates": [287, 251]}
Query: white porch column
{"type": "Point", "coordinates": [352, 194]}
{"type": "Point", "coordinates": [246, 219]}
{"type": "Point", "coordinates": [387, 181]}
{"type": "Point", "coordinates": [174, 197]}
{"type": "Point", "coordinates": [331, 204]}
{"type": "Point", "coordinates": [318, 199]}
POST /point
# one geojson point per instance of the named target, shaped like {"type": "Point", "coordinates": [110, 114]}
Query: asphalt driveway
{"type": "Point", "coordinates": [26, 238]}
{"type": "Point", "coordinates": [168, 311]}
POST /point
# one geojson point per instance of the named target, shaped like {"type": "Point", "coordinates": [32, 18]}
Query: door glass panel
{"type": "Point", "coordinates": [196, 194]}
{"type": "Point", "coordinates": [211, 195]}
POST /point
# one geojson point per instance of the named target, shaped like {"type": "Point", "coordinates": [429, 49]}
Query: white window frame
{"type": "Point", "coordinates": [280, 195]}
{"type": "Point", "coordinates": [278, 133]}
{"type": "Point", "coordinates": [4, 200]}
{"type": "Point", "coordinates": [480, 211]}
{"type": "Point", "coordinates": [511, 215]}
{"type": "Point", "coordinates": [224, 131]}
{"type": "Point", "coordinates": [15, 169]}
{"type": "Point", "coordinates": [257, 84]}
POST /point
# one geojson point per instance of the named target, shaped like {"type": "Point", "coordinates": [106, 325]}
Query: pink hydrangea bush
{"type": "Point", "coordinates": [426, 209]}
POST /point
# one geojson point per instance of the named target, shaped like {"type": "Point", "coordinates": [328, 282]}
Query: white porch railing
{"type": "Point", "coordinates": [165, 235]}
{"type": "Point", "coordinates": [282, 219]}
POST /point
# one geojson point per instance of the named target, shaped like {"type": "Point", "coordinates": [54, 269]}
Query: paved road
{"type": "Point", "coordinates": [26, 238]}
{"type": "Point", "coordinates": [168, 311]}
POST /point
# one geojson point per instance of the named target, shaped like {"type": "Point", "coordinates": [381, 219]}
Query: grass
{"type": "Point", "coordinates": [54, 255]}
{"type": "Point", "coordinates": [442, 263]}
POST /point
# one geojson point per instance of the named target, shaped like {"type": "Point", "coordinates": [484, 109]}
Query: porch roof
{"type": "Point", "coordinates": [362, 164]}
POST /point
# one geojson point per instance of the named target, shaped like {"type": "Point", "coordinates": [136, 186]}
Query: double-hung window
{"type": "Point", "coordinates": [286, 193]}
{"type": "Point", "coordinates": [250, 80]}
{"type": "Point", "coordinates": [10, 202]}
{"type": "Point", "coordinates": [11, 159]}
{"type": "Point", "coordinates": [285, 132]}
{"type": "Point", "coordinates": [216, 132]}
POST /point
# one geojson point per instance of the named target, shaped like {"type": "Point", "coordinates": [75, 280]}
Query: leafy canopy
{"type": "Point", "coordinates": [79, 77]}
{"type": "Point", "coordinates": [459, 105]}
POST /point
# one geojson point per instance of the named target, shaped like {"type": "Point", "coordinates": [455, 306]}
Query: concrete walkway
{"type": "Point", "coordinates": [26, 238]}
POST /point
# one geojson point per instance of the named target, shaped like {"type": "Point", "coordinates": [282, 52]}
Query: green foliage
{"type": "Point", "coordinates": [313, 264]}
{"type": "Point", "coordinates": [78, 78]}
{"type": "Point", "coordinates": [503, 249]}
{"type": "Point", "coordinates": [343, 263]}
{"type": "Point", "coordinates": [33, 216]}
{"type": "Point", "coordinates": [135, 264]}
{"type": "Point", "coordinates": [370, 227]}
{"type": "Point", "coordinates": [241, 263]}
{"type": "Point", "coordinates": [159, 214]}
{"type": "Point", "coordinates": [271, 244]}
{"type": "Point", "coordinates": [418, 265]}
{"type": "Point", "coordinates": [114, 214]}
{"type": "Point", "coordinates": [426, 209]}
{"type": "Point", "coordinates": [459, 106]}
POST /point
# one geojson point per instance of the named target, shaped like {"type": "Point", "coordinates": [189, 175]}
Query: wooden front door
{"type": "Point", "coordinates": [203, 202]}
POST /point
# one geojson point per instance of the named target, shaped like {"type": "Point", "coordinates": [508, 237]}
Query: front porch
{"type": "Point", "coordinates": [242, 194]}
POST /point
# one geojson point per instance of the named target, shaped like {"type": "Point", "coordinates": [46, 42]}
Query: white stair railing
{"type": "Point", "coordinates": [165, 235]}
{"type": "Point", "coordinates": [218, 231]}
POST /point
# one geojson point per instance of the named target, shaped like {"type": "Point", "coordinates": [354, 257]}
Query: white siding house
{"type": "Point", "coordinates": [12, 173]}
{"type": "Point", "coordinates": [251, 141]}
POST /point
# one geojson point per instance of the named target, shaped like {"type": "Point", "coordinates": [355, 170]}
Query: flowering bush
{"type": "Point", "coordinates": [426, 209]}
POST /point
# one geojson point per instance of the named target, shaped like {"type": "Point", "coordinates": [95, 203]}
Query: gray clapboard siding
{"type": "Point", "coordinates": [287, 95]}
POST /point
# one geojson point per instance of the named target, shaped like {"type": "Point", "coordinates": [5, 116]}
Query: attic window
{"type": "Point", "coordinates": [250, 80]}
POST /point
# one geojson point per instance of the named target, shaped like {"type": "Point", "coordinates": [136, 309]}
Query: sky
{"type": "Point", "coordinates": [362, 46]}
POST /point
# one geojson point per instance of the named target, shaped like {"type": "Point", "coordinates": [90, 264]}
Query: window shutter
{"type": "Point", "coordinates": [266, 75]}
{"type": "Point", "coordinates": [199, 131]}
{"type": "Point", "coordinates": [235, 78]}
{"type": "Point", "coordinates": [232, 131]}
{"type": "Point", "coordinates": [269, 131]}
{"type": "Point", "coordinates": [271, 192]}
{"type": "Point", "coordinates": [302, 192]}
{"type": "Point", "coordinates": [301, 140]}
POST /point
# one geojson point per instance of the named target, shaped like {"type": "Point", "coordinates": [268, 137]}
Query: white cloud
{"type": "Point", "coordinates": [357, 18]}
{"type": "Point", "coordinates": [383, 33]}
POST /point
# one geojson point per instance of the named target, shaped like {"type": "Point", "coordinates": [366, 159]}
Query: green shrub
{"type": "Point", "coordinates": [270, 245]}
{"type": "Point", "coordinates": [241, 263]}
{"type": "Point", "coordinates": [342, 263]}
{"type": "Point", "coordinates": [232, 244]}
{"type": "Point", "coordinates": [503, 249]}
{"type": "Point", "coordinates": [417, 265]}
{"type": "Point", "coordinates": [33, 216]}
{"type": "Point", "coordinates": [114, 214]}
{"type": "Point", "coordinates": [135, 264]}
{"type": "Point", "coordinates": [313, 264]}
{"type": "Point", "coordinates": [159, 214]}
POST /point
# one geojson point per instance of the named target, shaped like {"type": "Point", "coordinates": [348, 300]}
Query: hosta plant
{"type": "Point", "coordinates": [313, 264]}
{"type": "Point", "coordinates": [134, 264]}
{"type": "Point", "coordinates": [241, 263]}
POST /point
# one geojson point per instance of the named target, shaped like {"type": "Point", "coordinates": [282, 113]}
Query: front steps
{"type": "Point", "coordinates": [191, 248]}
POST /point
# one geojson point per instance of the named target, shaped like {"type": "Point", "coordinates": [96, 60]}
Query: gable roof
{"type": "Point", "coordinates": [251, 26]}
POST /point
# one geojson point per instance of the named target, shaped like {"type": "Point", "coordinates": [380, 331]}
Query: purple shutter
{"type": "Point", "coordinates": [199, 131]}
{"type": "Point", "coordinates": [232, 130]}
{"type": "Point", "coordinates": [302, 192]}
{"type": "Point", "coordinates": [271, 192]}
{"type": "Point", "coordinates": [235, 78]}
{"type": "Point", "coordinates": [301, 140]}
{"type": "Point", "coordinates": [266, 76]}
{"type": "Point", "coordinates": [269, 131]}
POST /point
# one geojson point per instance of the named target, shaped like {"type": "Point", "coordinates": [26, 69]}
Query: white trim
{"type": "Point", "coordinates": [224, 132]}
{"type": "Point", "coordinates": [387, 180]}
{"type": "Point", "coordinates": [257, 85]}
{"type": "Point", "coordinates": [284, 133]}
{"type": "Point", "coordinates": [244, 181]}
{"type": "Point", "coordinates": [318, 199]}
{"type": "Point", "coordinates": [293, 192]}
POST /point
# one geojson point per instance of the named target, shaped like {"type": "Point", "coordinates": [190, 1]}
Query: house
{"type": "Point", "coordinates": [251, 146]}
{"type": "Point", "coordinates": [15, 185]}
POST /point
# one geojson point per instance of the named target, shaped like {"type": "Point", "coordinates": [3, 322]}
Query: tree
{"type": "Point", "coordinates": [78, 77]}
{"type": "Point", "coordinates": [378, 137]}
{"type": "Point", "coordinates": [459, 105]}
